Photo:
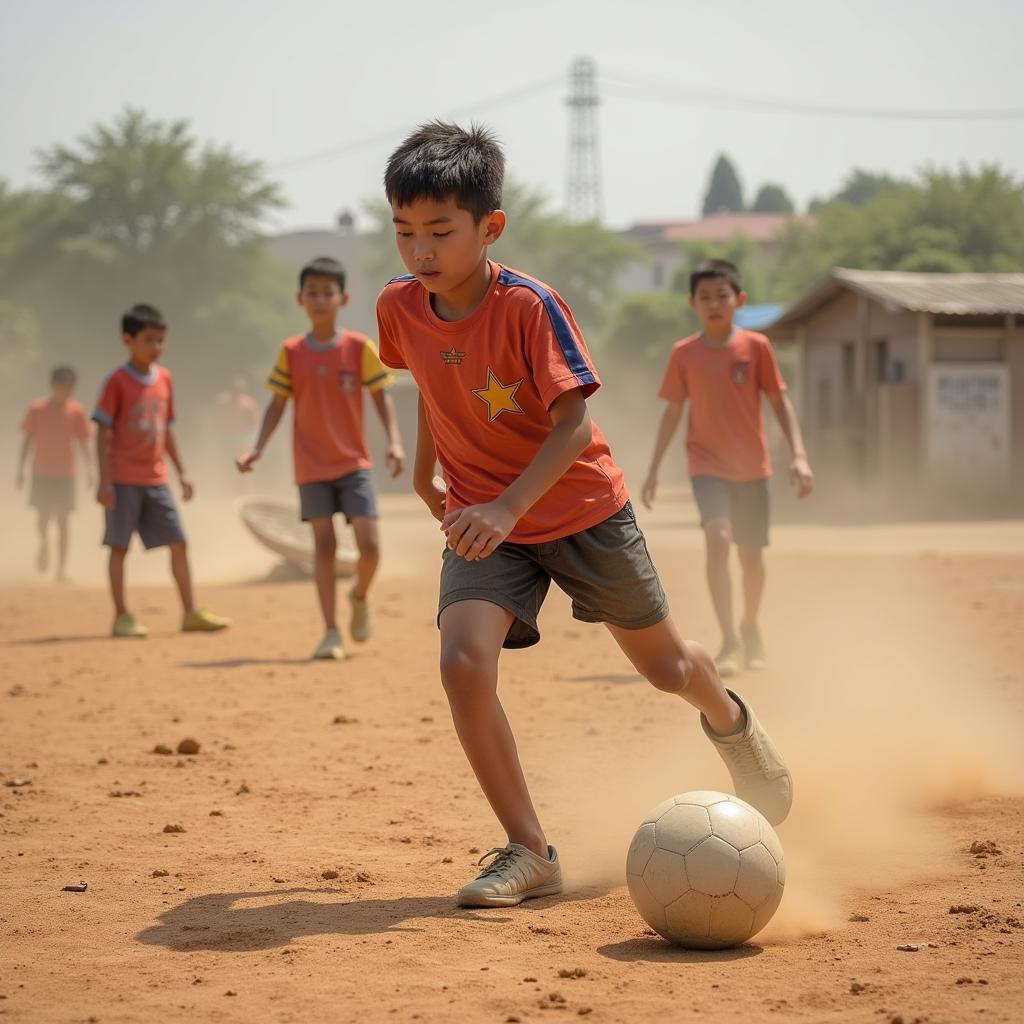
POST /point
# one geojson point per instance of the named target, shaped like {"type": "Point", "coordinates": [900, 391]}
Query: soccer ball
{"type": "Point", "coordinates": [705, 870]}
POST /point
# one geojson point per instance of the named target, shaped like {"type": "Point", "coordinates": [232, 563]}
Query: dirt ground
{"type": "Point", "coordinates": [322, 829]}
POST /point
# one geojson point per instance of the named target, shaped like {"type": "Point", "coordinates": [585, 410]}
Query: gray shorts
{"type": "Point", "coordinates": [352, 495]}
{"type": "Point", "coordinates": [606, 570]}
{"type": "Point", "coordinates": [52, 495]}
{"type": "Point", "coordinates": [745, 503]}
{"type": "Point", "coordinates": [149, 511]}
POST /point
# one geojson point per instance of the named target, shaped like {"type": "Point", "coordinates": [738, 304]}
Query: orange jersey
{"type": "Point", "coordinates": [487, 382]}
{"type": "Point", "coordinates": [725, 434]}
{"type": "Point", "coordinates": [53, 429]}
{"type": "Point", "coordinates": [326, 379]}
{"type": "Point", "coordinates": [139, 408]}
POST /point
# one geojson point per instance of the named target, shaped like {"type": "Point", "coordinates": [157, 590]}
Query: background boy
{"type": "Point", "coordinates": [51, 426]}
{"type": "Point", "coordinates": [723, 371]}
{"type": "Point", "coordinates": [530, 492]}
{"type": "Point", "coordinates": [135, 412]}
{"type": "Point", "coordinates": [325, 371]}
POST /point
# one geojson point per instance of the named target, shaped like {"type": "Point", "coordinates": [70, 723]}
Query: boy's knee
{"type": "Point", "coordinates": [369, 548]}
{"type": "Point", "coordinates": [718, 535]}
{"type": "Point", "coordinates": [751, 558]}
{"type": "Point", "coordinates": [325, 542]}
{"type": "Point", "coordinates": [678, 672]}
{"type": "Point", "coordinates": [465, 672]}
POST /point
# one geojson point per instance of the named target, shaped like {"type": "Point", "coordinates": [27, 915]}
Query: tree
{"type": "Point", "coordinates": [741, 251]}
{"type": "Point", "coordinates": [642, 327]}
{"type": "Point", "coordinates": [772, 198]}
{"type": "Point", "coordinates": [724, 194]}
{"type": "Point", "coordinates": [136, 211]}
{"type": "Point", "coordinates": [861, 186]}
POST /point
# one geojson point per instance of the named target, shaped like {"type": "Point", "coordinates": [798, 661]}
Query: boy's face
{"type": "Point", "coordinates": [321, 298]}
{"type": "Point", "coordinates": [63, 388]}
{"type": "Point", "coordinates": [715, 302]}
{"type": "Point", "coordinates": [147, 346]}
{"type": "Point", "coordinates": [441, 244]}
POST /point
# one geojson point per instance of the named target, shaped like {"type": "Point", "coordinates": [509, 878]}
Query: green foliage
{"type": "Point", "coordinates": [861, 186]}
{"type": "Point", "coordinates": [580, 261]}
{"type": "Point", "coordinates": [947, 222]}
{"type": "Point", "coordinates": [772, 198]}
{"type": "Point", "coordinates": [136, 211]}
{"type": "Point", "coordinates": [642, 326]}
{"type": "Point", "coordinates": [724, 194]}
{"type": "Point", "coordinates": [741, 251]}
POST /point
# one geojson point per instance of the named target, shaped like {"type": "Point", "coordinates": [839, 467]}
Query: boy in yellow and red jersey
{"type": "Point", "coordinates": [325, 372]}
{"type": "Point", "coordinates": [530, 494]}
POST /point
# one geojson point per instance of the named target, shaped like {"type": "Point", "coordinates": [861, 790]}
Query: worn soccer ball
{"type": "Point", "coordinates": [706, 870]}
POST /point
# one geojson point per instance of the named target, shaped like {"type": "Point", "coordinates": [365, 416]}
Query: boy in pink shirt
{"type": "Point", "coordinates": [50, 427]}
{"type": "Point", "coordinates": [135, 411]}
{"type": "Point", "coordinates": [722, 372]}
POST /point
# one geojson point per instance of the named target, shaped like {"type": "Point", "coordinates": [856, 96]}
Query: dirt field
{"type": "Point", "coordinates": [896, 691]}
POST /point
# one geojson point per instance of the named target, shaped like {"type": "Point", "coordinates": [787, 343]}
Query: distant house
{"type": "Point", "coordinates": [912, 375]}
{"type": "Point", "coordinates": [662, 241]}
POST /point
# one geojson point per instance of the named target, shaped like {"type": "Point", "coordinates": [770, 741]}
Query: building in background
{"type": "Point", "coordinates": [912, 376]}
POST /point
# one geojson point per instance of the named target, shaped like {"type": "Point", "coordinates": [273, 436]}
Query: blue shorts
{"type": "Point", "coordinates": [745, 503]}
{"type": "Point", "coordinates": [352, 495]}
{"type": "Point", "coordinates": [148, 511]}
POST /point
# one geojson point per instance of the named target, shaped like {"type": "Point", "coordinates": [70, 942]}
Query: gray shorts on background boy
{"type": "Point", "coordinates": [352, 495]}
{"type": "Point", "coordinates": [149, 511]}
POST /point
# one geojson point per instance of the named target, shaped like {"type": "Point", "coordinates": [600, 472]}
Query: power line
{"type": "Point", "coordinates": [370, 141]}
{"type": "Point", "coordinates": [662, 90]}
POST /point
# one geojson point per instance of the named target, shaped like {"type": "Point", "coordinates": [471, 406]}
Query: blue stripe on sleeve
{"type": "Point", "coordinates": [403, 277]}
{"type": "Point", "coordinates": [563, 331]}
{"type": "Point", "coordinates": [101, 417]}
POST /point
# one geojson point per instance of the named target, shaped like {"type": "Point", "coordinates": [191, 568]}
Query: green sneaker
{"type": "Point", "coordinates": [203, 621]}
{"type": "Point", "coordinates": [361, 625]}
{"type": "Point", "coordinates": [330, 648]}
{"type": "Point", "coordinates": [126, 626]}
{"type": "Point", "coordinates": [515, 874]}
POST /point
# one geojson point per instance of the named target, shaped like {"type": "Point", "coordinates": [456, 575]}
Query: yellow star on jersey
{"type": "Point", "coordinates": [499, 397]}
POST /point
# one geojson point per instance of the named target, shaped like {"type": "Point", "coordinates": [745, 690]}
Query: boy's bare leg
{"type": "Point", "coordinates": [472, 633]}
{"type": "Point", "coordinates": [752, 564]}
{"type": "Point", "coordinates": [364, 528]}
{"type": "Point", "coordinates": [718, 543]}
{"type": "Point", "coordinates": [43, 554]}
{"type": "Point", "coordinates": [182, 576]}
{"type": "Point", "coordinates": [326, 546]}
{"type": "Point", "coordinates": [116, 572]}
{"type": "Point", "coordinates": [681, 667]}
{"type": "Point", "coordinates": [62, 547]}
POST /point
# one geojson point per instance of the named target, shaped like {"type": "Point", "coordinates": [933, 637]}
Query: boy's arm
{"type": "Point", "coordinates": [800, 474]}
{"type": "Point", "coordinates": [26, 444]}
{"type": "Point", "coordinates": [105, 487]}
{"type": "Point", "coordinates": [669, 421]}
{"type": "Point", "coordinates": [424, 481]}
{"type": "Point", "coordinates": [389, 419]}
{"type": "Point", "coordinates": [187, 490]}
{"type": "Point", "coordinates": [271, 417]}
{"type": "Point", "coordinates": [84, 451]}
{"type": "Point", "coordinates": [475, 532]}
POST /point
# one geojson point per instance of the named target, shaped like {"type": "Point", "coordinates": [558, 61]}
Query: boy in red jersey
{"type": "Point", "coordinates": [723, 372]}
{"type": "Point", "coordinates": [51, 426]}
{"type": "Point", "coordinates": [325, 371]}
{"type": "Point", "coordinates": [135, 412]}
{"type": "Point", "coordinates": [531, 493]}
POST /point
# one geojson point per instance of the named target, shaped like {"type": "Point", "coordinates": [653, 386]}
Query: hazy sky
{"type": "Point", "coordinates": [279, 81]}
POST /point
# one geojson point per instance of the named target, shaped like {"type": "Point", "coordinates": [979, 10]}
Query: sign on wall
{"type": "Point", "coordinates": [969, 419]}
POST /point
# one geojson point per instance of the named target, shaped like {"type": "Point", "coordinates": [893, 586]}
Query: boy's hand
{"type": "Point", "coordinates": [105, 495]}
{"type": "Point", "coordinates": [247, 461]}
{"type": "Point", "coordinates": [475, 532]}
{"type": "Point", "coordinates": [187, 490]}
{"type": "Point", "coordinates": [801, 477]}
{"type": "Point", "coordinates": [649, 491]}
{"type": "Point", "coordinates": [434, 495]}
{"type": "Point", "coordinates": [395, 459]}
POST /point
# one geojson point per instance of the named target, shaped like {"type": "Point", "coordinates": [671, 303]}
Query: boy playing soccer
{"type": "Point", "coordinates": [51, 426]}
{"type": "Point", "coordinates": [722, 372]}
{"type": "Point", "coordinates": [325, 371]}
{"type": "Point", "coordinates": [135, 412]}
{"type": "Point", "coordinates": [531, 493]}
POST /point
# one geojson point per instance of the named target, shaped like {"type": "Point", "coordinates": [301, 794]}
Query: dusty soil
{"type": "Point", "coordinates": [327, 819]}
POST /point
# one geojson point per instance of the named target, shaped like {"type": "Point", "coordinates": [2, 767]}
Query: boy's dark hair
{"type": "Point", "coordinates": [63, 375]}
{"type": "Point", "coordinates": [323, 266]}
{"type": "Point", "coordinates": [711, 270]}
{"type": "Point", "coordinates": [441, 160]}
{"type": "Point", "coordinates": [139, 316]}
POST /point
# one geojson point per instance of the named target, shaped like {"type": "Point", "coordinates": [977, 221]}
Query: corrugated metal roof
{"type": "Point", "coordinates": [953, 294]}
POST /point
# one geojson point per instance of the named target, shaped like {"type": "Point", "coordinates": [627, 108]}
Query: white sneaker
{"type": "Point", "coordinates": [330, 648]}
{"type": "Point", "coordinates": [727, 660]}
{"type": "Point", "coordinates": [515, 874]}
{"type": "Point", "coordinates": [759, 775]}
{"type": "Point", "coordinates": [361, 625]}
